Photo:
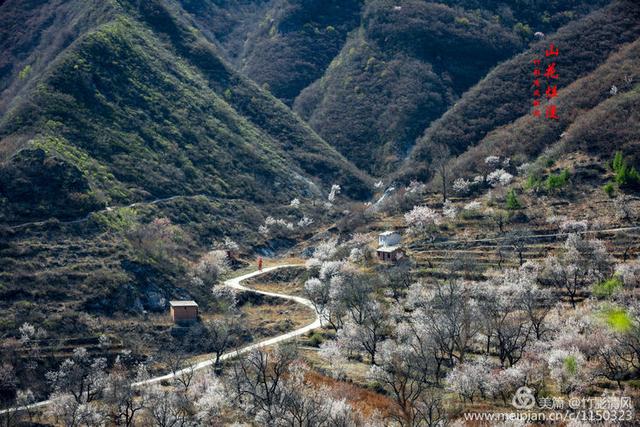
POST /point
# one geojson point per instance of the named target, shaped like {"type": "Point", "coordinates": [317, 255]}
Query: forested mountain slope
{"type": "Point", "coordinates": [142, 107]}
{"type": "Point", "coordinates": [593, 118]}
{"type": "Point", "coordinates": [505, 94]}
{"type": "Point", "coordinates": [408, 63]}
{"type": "Point", "coordinates": [283, 45]}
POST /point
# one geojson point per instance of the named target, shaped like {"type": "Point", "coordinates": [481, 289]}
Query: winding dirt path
{"type": "Point", "coordinates": [236, 284]}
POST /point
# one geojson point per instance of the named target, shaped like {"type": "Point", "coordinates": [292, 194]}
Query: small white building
{"type": "Point", "coordinates": [389, 248]}
{"type": "Point", "coordinates": [389, 238]}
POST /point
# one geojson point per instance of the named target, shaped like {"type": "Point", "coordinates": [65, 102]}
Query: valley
{"type": "Point", "coordinates": [319, 213]}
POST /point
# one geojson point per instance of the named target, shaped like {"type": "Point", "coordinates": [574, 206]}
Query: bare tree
{"type": "Point", "coordinates": [518, 241]}
{"type": "Point", "coordinates": [257, 381]}
{"type": "Point", "coordinates": [120, 395]}
{"type": "Point", "coordinates": [221, 335]}
{"type": "Point", "coordinates": [440, 165]}
{"type": "Point", "coordinates": [181, 368]}
{"type": "Point", "coordinates": [399, 278]}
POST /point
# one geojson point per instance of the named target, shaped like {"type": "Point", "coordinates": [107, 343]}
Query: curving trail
{"type": "Point", "coordinates": [233, 283]}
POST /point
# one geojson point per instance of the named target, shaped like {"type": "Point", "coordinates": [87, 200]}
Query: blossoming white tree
{"type": "Point", "coordinates": [422, 219]}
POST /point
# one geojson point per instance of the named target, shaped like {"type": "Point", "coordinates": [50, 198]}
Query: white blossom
{"type": "Point", "coordinates": [449, 210]}
{"type": "Point", "coordinates": [567, 368]}
{"type": "Point", "coordinates": [472, 206]}
{"type": "Point", "coordinates": [499, 177]}
{"type": "Point", "coordinates": [478, 180]}
{"type": "Point", "coordinates": [629, 273]}
{"type": "Point", "coordinates": [573, 226]}
{"type": "Point", "coordinates": [326, 249]}
{"type": "Point", "coordinates": [492, 160]}
{"type": "Point", "coordinates": [420, 218]}
{"type": "Point", "coordinates": [335, 190]}
{"type": "Point", "coordinates": [461, 186]}
{"type": "Point", "coordinates": [305, 222]}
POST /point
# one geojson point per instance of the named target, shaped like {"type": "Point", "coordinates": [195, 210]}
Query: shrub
{"type": "Point", "coordinates": [626, 176]}
{"type": "Point", "coordinates": [315, 340]}
{"type": "Point", "coordinates": [533, 183]}
{"type": "Point", "coordinates": [555, 182]}
{"type": "Point", "coordinates": [609, 189]}
{"type": "Point", "coordinates": [512, 200]}
{"type": "Point", "coordinates": [618, 319]}
{"type": "Point", "coordinates": [607, 288]}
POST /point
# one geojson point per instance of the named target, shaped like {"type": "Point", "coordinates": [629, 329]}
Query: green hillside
{"type": "Point", "coordinates": [140, 108]}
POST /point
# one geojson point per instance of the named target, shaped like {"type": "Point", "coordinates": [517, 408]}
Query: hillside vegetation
{"type": "Point", "coordinates": [141, 107]}
{"type": "Point", "coordinates": [408, 63]}
{"type": "Point", "coordinates": [504, 95]}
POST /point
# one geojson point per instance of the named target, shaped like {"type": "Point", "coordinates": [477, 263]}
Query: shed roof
{"type": "Point", "coordinates": [388, 233]}
{"type": "Point", "coordinates": [388, 248]}
{"type": "Point", "coordinates": [183, 303]}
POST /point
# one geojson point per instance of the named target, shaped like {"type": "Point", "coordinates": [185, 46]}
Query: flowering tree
{"type": "Point", "coordinates": [461, 186]}
{"type": "Point", "coordinates": [568, 369]}
{"type": "Point", "coordinates": [67, 411]}
{"type": "Point", "coordinates": [209, 399]}
{"type": "Point", "coordinates": [403, 371]}
{"type": "Point", "coordinates": [580, 264]}
{"type": "Point", "coordinates": [499, 177]}
{"type": "Point", "coordinates": [157, 241]}
{"type": "Point", "coordinates": [449, 211]}
{"type": "Point", "coordinates": [305, 222]}
{"type": "Point", "coordinates": [365, 332]}
{"type": "Point", "coordinates": [318, 292]}
{"type": "Point", "coordinates": [506, 325]}
{"type": "Point", "coordinates": [210, 267]}
{"type": "Point", "coordinates": [422, 219]}
{"type": "Point", "coordinates": [447, 316]}
{"type": "Point", "coordinates": [492, 161]}
{"type": "Point", "coordinates": [273, 226]}
{"type": "Point", "coordinates": [80, 376]}
{"type": "Point", "coordinates": [335, 190]}
{"type": "Point", "coordinates": [470, 379]}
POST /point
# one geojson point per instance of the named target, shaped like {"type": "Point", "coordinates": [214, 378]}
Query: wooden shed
{"type": "Point", "coordinates": [390, 253]}
{"type": "Point", "coordinates": [184, 311]}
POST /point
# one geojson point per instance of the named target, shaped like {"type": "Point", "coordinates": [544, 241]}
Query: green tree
{"type": "Point", "coordinates": [512, 200]}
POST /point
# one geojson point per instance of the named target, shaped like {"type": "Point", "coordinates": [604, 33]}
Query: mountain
{"type": "Point", "coordinates": [408, 62]}
{"type": "Point", "coordinates": [142, 106]}
{"type": "Point", "coordinates": [486, 119]}
{"type": "Point", "coordinates": [283, 45]}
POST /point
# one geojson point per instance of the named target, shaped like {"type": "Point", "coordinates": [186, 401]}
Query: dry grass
{"type": "Point", "coordinates": [365, 401]}
{"type": "Point", "coordinates": [288, 288]}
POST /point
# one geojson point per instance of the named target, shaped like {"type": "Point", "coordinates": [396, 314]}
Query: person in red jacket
{"type": "Point", "coordinates": [260, 263]}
